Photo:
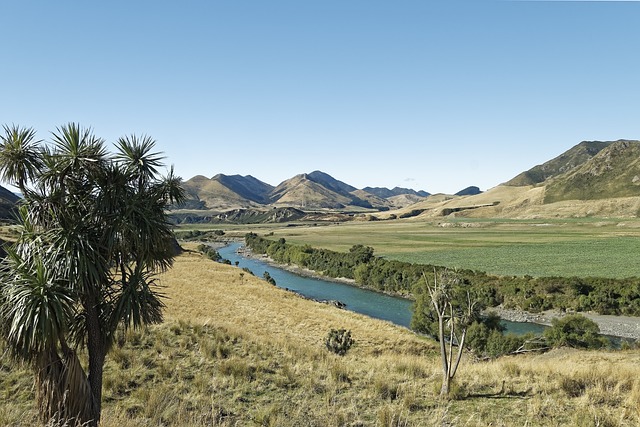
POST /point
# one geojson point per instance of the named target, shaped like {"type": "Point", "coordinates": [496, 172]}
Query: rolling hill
{"type": "Point", "coordinates": [224, 192]}
{"type": "Point", "coordinates": [565, 162]}
{"type": "Point", "coordinates": [612, 173]}
{"type": "Point", "coordinates": [315, 190]}
{"type": "Point", "coordinates": [306, 193]}
{"type": "Point", "coordinates": [593, 178]}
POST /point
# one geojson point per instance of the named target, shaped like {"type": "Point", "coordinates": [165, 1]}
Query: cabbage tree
{"type": "Point", "coordinates": [94, 234]}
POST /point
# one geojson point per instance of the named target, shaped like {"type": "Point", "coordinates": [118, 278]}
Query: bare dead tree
{"type": "Point", "coordinates": [453, 321]}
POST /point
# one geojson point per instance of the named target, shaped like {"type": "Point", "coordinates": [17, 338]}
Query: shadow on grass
{"type": "Point", "coordinates": [503, 393]}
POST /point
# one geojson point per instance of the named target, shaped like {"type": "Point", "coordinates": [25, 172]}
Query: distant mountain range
{"type": "Point", "coordinates": [593, 178]}
{"type": "Point", "coordinates": [308, 191]}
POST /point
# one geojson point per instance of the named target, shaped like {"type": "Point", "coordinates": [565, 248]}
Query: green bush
{"type": "Point", "coordinates": [339, 341]}
{"type": "Point", "coordinates": [575, 331]}
{"type": "Point", "coordinates": [268, 278]}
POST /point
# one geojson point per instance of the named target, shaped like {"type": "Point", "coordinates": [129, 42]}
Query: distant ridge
{"type": "Point", "coordinates": [300, 191]}
{"type": "Point", "coordinates": [593, 178]}
{"type": "Point", "coordinates": [469, 191]}
{"type": "Point", "coordinates": [613, 172]}
{"type": "Point", "coordinates": [565, 162]}
{"type": "Point", "coordinates": [315, 190]}
{"type": "Point", "coordinates": [219, 192]}
{"type": "Point", "coordinates": [385, 193]}
{"type": "Point", "coordinates": [247, 187]}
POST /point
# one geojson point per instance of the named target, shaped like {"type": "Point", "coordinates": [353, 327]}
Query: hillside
{"type": "Point", "coordinates": [237, 351]}
{"type": "Point", "coordinates": [612, 173]}
{"type": "Point", "coordinates": [469, 191]}
{"type": "Point", "coordinates": [316, 190]}
{"type": "Point", "coordinates": [223, 192]}
{"type": "Point", "coordinates": [591, 178]}
{"type": "Point", "coordinates": [8, 201]}
{"type": "Point", "coordinates": [565, 162]}
{"type": "Point", "coordinates": [302, 192]}
{"type": "Point", "coordinates": [247, 187]}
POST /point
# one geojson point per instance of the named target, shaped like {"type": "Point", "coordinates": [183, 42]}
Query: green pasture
{"type": "Point", "coordinates": [563, 247]}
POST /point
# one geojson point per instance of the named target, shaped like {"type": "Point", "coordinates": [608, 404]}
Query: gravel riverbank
{"type": "Point", "coordinates": [619, 326]}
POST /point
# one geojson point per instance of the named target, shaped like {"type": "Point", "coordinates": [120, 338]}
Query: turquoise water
{"type": "Point", "coordinates": [374, 304]}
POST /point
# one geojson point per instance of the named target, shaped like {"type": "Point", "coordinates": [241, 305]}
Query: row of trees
{"type": "Point", "coordinates": [534, 294]}
{"type": "Point", "coordinates": [94, 234]}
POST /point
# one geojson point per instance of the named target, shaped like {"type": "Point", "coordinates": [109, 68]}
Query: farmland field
{"type": "Point", "coordinates": [567, 247]}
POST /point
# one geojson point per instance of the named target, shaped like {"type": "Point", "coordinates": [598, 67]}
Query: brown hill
{"type": "Point", "coordinates": [302, 192]}
{"type": "Point", "coordinates": [203, 193]}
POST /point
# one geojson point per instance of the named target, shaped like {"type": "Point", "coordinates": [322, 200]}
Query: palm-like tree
{"type": "Point", "coordinates": [95, 232]}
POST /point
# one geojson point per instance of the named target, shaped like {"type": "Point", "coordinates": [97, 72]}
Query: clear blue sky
{"type": "Point", "coordinates": [431, 95]}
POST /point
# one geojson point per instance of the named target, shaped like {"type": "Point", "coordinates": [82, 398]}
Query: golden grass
{"type": "Point", "coordinates": [204, 291]}
{"type": "Point", "coordinates": [238, 352]}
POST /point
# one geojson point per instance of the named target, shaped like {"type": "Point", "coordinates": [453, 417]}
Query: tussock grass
{"type": "Point", "coordinates": [250, 354]}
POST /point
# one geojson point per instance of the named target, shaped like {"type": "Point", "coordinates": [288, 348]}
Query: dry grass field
{"type": "Point", "coordinates": [235, 351]}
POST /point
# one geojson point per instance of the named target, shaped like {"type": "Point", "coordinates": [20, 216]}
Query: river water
{"type": "Point", "coordinates": [374, 304]}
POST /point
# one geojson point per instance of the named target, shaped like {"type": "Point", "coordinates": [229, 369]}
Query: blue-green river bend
{"type": "Point", "coordinates": [374, 304]}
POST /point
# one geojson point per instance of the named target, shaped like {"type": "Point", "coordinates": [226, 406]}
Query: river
{"type": "Point", "coordinates": [374, 304]}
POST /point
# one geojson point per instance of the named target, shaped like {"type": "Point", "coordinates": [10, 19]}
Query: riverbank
{"type": "Point", "coordinates": [618, 326]}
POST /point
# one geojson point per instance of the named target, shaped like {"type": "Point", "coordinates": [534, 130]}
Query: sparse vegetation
{"type": "Point", "coordinates": [209, 252]}
{"type": "Point", "coordinates": [253, 354]}
{"type": "Point", "coordinates": [270, 280]}
{"type": "Point", "coordinates": [339, 341]}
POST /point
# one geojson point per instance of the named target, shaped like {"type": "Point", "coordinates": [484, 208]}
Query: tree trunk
{"type": "Point", "coordinates": [97, 353]}
{"type": "Point", "coordinates": [443, 353]}
{"type": "Point", "coordinates": [444, 390]}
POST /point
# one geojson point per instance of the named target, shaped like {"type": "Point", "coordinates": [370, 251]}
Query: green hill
{"type": "Point", "coordinates": [564, 163]}
{"type": "Point", "coordinates": [613, 172]}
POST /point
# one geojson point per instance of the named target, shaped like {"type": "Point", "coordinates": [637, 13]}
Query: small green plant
{"type": "Point", "coordinates": [268, 278]}
{"type": "Point", "coordinates": [339, 341]}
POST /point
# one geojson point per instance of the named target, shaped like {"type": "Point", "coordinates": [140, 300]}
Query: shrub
{"type": "Point", "coordinates": [339, 341]}
{"type": "Point", "coordinates": [268, 278]}
{"type": "Point", "coordinates": [575, 331]}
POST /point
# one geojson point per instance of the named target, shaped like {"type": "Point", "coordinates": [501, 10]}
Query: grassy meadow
{"type": "Point", "coordinates": [585, 247]}
{"type": "Point", "coordinates": [235, 351]}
